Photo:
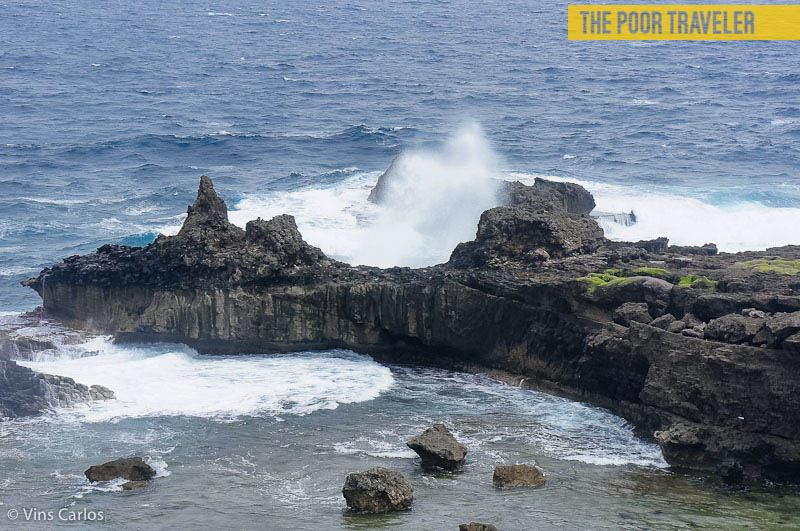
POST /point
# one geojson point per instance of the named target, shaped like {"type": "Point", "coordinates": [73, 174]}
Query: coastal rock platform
{"type": "Point", "coordinates": [699, 349]}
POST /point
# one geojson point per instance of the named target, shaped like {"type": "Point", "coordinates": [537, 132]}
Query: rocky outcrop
{"type": "Point", "coordinates": [534, 294]}
{"type": "Point", "coordinates": [518, 476]}
{"type": "Point", "coordinates": [377, 490]}
{"type": "Point", "coordinates": [475, 526]}
{"type": "Point", "coordinates": [135, 485]}
{"type": "Point", "coordinates": [437, 447]}
{"type": "Point", "coordinates": [133, 469]}
{"type": "Point", "coordinates": [24, 392]}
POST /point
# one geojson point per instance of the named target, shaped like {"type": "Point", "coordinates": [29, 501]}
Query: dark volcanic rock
{"type": "Point", "coordinates": [521, 233]}
{"type": "Point", "coordinates": [377, 490]}
{"type": "Point", "coordinates": [708, 249]}
{"type": "Point", "coordinates": [632, 311]}
{"type": "Point", "coordinates": [135, 485]}
{"type": "Point", "coordinates": [733, 328]}
{"type": "Point", "coordinates": [24, 392]}
{"type": "Point", "coordinates": [664, 321]}
{"type": "Point", "coordinates": [730, 471]}
{"type": "Point", "coordinates": [380, 192]}
{"type": "Point", "coordinates": [208, 251]}
{"type": "Point", "coordinates": [130, 468]}
{"type": "Point", "coordinates": [534, 295]}
{"type": "Point", "coordinates": [518, 476]}
{"type": "Point", "coordinates": [781, 327]}
{"type": "Point", "coordinates": [437, 447]}
{"type": "Point", "coordinates": [475, 526]}
{"type": "Point", "coordinates": [568, 197]}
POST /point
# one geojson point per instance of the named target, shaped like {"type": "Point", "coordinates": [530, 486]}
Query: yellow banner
{"type": "Point", "coordinates": [684, 22]}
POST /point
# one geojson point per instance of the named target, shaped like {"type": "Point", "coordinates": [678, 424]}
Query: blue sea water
{"type": "Point", "coordinates": [110, 112]}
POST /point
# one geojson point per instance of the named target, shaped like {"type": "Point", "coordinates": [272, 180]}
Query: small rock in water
{"type": "Point", "coordinates": [134, 485]}
{"type": "Point", "coordinates": [475, 526]}
{"type": "Point", "coordinates": [518, 476]}
{"type": "Point", "coordinates": [98, 392]}
{"type": "Point", "coordinates": [437, 447]}
{"type": "Point", "coordinates": [377, 490]}
{"type": "Point", "coordinates": [730, 471]}
{"type": "Point", "coordinates": [130, 468]}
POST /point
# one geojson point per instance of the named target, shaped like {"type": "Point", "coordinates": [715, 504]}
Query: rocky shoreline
{"type": "Point", "coordinates": [700, 349]}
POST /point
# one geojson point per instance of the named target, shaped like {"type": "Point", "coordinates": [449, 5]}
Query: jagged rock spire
{"type": "Point", "coordinates": [208, 212]}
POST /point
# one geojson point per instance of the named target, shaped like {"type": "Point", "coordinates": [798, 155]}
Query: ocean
{"type": "Point", "coordinates": [110, 113]}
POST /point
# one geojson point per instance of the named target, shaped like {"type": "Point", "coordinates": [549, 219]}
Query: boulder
{"type": "Point", "coordinates": [730, 471]}
{"type": "Point", "coordinates": [135, 485]}
{"type": "Point", "coordinates": [475, 526]}
{"type": "Point", "coordinates": [689, 321]}
{"type": "Point", "coordinates": [632, 311]}
{"type": "Point", "coordinates": [130, 468]}
{"type": "Point", "coordinates": [518, 476]}
{"type": "Point", "coordinates": [780, 327]}
{"type": "Point", "coordinates": [377, 490]}
{"type": "Point", "coordinates": [437, 447]}
{"type": "Point", "coordinates": [792, 343]}
{"type": "Point", "coordinates": [664, 321]}
{"type": "Point", "coordinates": [655, 292]}
{"type": "Point", "coordinates": [733, 328]}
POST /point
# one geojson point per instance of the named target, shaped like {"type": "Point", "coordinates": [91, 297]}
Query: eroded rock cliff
{"type": "Point", "coordinates": [535, 294]}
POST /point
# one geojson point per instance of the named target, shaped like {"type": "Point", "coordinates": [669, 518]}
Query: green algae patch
{"type": "Point", "coordinates": [609, 277]}
{"type": "Point", "coordinates": [772, 265]}
{"type": "Point", "coordinates": [691, 281]}
{"type": "Point", "coordinates": [656, 272]}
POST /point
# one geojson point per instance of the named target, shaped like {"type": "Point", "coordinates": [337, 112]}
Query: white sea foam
{"type": "Point", "coordinates": [436, 199]}
{"type": "Point", "coordinates": [433, 202]}
{"type": "Point", "coordinates": [167, 380]}
{"type": "Point", "coordinates": [737, 226]}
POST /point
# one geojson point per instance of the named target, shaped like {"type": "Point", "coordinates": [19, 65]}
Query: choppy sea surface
{"type": "Point", "coordinates": [110, 113]}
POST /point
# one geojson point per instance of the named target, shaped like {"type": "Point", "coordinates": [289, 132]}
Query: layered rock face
{"type": "Point", "coordinates": [24, 392]}
{"type": "Point", "coordinates": [699, 348]}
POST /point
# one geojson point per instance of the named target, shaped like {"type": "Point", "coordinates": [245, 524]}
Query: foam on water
{"type": "Point", "coordinates": [734, 226]}
{"type": "Point", "coordinates": [174, 380]}
{"type": "Point", "coordinates": [433, 202]}
{"type": "Point", "coordinates": [436, 198]}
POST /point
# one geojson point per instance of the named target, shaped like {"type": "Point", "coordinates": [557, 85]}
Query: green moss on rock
{"type": "Point", "coordinates": [652, 272]}
{"type": "Point", "coordinates": [691, 281]}
{"type": "Point", "coordinates": [772, 265]}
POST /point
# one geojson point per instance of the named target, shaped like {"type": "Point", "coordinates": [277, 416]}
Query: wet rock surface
{"type": "Point", "coordinates": [437, 447]}
{"type": "Point", "coordinates": [533, 294]}
{"type": "Point", "coordinates": [24, 392]}
{"type": "Point", "coordinates": [134, 469]}
{"type": "Point", "coordinates": [377, 490]}
{"type": "Point", "coordinates": [518, 476]}
{"type": "Point", "coordinates": [475, 526]}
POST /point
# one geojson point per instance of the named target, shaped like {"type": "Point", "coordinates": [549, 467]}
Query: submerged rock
{"type": "Point", "coordinates": [475, 526]}
{"type": "Point", "coordinates": [377, 490]}
{"type": "Point", "coordinates": [135, 485]}
{"type": "Point", "coordinates": [130, 468]}
{"type": "Point", "coordinates": [518, 476]}
{"type": "Point", "coordinates": [437, 447]}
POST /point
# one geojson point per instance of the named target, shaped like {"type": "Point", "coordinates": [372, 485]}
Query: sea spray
{"type": "Point", "coordinates": [433, 201]}
{"type": "Point", "coordinates": [734, 225]}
